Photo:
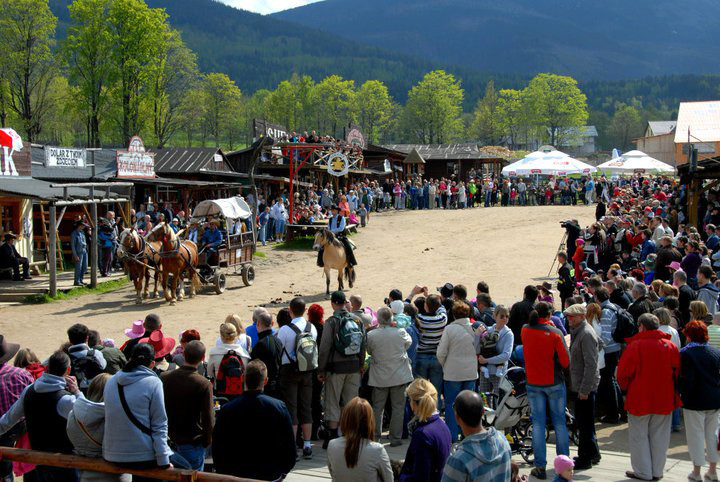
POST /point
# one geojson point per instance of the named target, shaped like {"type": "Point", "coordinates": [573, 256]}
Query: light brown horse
{"type": "Point", "coordinates": [333, 258]}
{"type": "Point", "coordinates": [178, 257]}
{"type": "Point", "coordinates": [139, 256]}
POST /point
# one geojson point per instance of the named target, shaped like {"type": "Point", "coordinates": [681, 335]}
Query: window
{"type": "Point", "coordinates": [10, 214]}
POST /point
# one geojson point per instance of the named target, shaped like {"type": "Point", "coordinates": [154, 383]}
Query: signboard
{"type": "Point", "coordinates": [338, 164]}
{"type": "Point", "coordinates": [262, 128]}
{"type": "Point", "coordinates": [218, 158]}
{"type": "Point", "coordinates": [356, 138]}
{"type": "Point", "coordinates": [14, 156]}
{"type": "Point", "coordinates": [386, 166]}
{"type": "Point", "coordinates": [135, 163]}
{"type": "Point", "coordinates": [64, 157]}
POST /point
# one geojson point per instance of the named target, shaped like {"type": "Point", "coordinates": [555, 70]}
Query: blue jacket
{"type": "Point", "coordinates": [700, 377]}
{"type": "Point", "coordinates": [211, 238]}
{"type": "Point", "coordinates": [648, 247]}
{"type": "Point", "coordinates": [123, 441]}
{"type": "Point", "coordinates": [608, 322]}
{"type": "Point", "coordinates": [78, 243]}
{"type": "Point", "coordinates": [428, 451]}
{"type": "Point", "coordinates": [484, 456]}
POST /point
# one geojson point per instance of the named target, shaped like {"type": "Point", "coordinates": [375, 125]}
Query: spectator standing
{"type": "Point", "coordinates": [390, 372]}
{"type": "Point", "coordinates": [78, 244]}
{"type": "Point", "coordinates": [45, 405]}
{"type": "Point", "coordinates": [520, 312]}
{"type": "Point", "coordinates": [565, 284]}
{"type": "Point", "coordinates": [268, 349]}
{"type": "Point", "coordinates": [296, 380]}
{"type": "Point", "coordinates": [641, 303]}
{"type": "Point", "coordinates": [700, 393]}
{"type": "Point", "coordinates": [714, 332]}
{"type": "Point", "coordinates": [686, 295]}
{"type": "Point", "coordinates": [612, 400]}
{"type": "Point", "coordinates": [189, 406]}
{"type": "Point", "coordinates": [228, 349]}
{"type": "Point", "coordinates": [431, 325]}
{"type": "Point", "coordinates": [85, 362]}
{"type": "Point", "coordinates": [252, 330]}
{"type": "Point", "coordinates": [267, 420]}
{"type": "Point", "coordinates": [707, 292]}
{"type": "Point", "coordinates": [354, 457]}
{"type": "Point", "coordinates": [648, 372]}
{"type": "Point", "coordinates": [456, 353]}
{"type": "Point", "coordinates": [546, 356]}
{"type": "Point", "coordinates": [342, 355]}
{"type": "Point", "coordinates": [494, 349]}
{"type": "Point", "coordinates": [430, 444]}
{"type": "Point", "coordinates": [585, 346]}
{"type": "Point", "coordinates": [484, 454]}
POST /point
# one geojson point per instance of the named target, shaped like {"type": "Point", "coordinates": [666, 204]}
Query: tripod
{"type": "Point", "coordinates": [560, 248]}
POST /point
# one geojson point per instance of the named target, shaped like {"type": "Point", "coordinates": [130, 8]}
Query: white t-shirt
{"type": "Point", "coordinates": [286, 336]}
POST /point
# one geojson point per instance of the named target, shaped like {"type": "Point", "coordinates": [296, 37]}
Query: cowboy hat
{"type": "Point", "coordinates": [545, 285]}
{"type": "Point", "coordinates": [163, 346]}
{"type": "Point", "coordinates": [136, 331]}
{"type": "Point", "coordinates": [7, 350]}
{"type": "Point", "coordinates": [675, 265]}
{"type": "Point", "coordinates": [9, 236]}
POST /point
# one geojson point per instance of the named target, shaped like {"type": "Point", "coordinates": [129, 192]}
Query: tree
{"type": "Point", "coordinates": [138, 35]}
{"type": "Point", "coordinates": [558, 104]}
{"type": "Point", "coordinates": [374, 108]}
{"type": "Point", "coordinates": [334, 98]}
{"type": "Point", "coordinates": [281, 105]}
{"type": "Point", "coordinates": [27, 29]}
{"type": "Point", "coordinates": [223, 99]}
{"type": "Point", "coordinates": [433, 109]}
{"type": "Point", "coordinates": [88, 49]}
{"type": "Point", "coordinates": [192, 112]}
{"type": "Point", "coordinates": [626, 124]}
{"type": "Point", "coordinates": [487, 124]}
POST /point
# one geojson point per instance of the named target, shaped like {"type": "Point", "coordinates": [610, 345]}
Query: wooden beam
{"type": "Point", "coordinates": [51, 252]}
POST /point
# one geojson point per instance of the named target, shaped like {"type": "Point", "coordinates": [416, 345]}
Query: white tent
{"type": "Point", "coordinates": [636, 161]}
{"type": "Point", "coordinates": [549, 162]}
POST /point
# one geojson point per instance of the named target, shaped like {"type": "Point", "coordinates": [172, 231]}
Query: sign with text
{"type": "Point", "coordinates": [135, 163]}
{"type": "Point", "coordinates": [64, 157]}
{"type": "Point", "coordinates": [338, 164]}
{"type": "Point", "coordinates": [356, 138]}
{"type": "Point", "coordinates": [262, 128]}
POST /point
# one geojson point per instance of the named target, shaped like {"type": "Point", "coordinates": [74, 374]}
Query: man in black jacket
{"type": "Point", "coordinates": [10, 258]}
{"type": "Point", "coordinates": [642, 304]}
{"type": "Point", "coordinates": [520, 312]}
{"type": "Point", "coordinates": [666, 254]}
{"type": "Point", "coordinates": [267, 419]}
{"type": "Point", "coordinates": [268, 349]}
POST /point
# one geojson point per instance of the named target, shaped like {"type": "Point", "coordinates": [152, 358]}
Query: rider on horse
{"type": "Point", "coordinates": [210, 241]}
{"type": "Point", "coordinates": [336, 225]}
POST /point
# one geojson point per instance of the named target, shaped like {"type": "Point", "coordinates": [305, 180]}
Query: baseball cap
{"type": "Point", "coordinates": [338, 298]}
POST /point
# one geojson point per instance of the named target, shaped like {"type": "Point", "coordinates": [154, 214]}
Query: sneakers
{"type": "Point", "coordinates": [538, 473]}
{"type": "Point", "coordinates": [307, 453]}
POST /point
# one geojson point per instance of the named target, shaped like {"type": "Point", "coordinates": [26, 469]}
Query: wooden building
{"type": "Point", "coordinates": [658, 141]}
{"type": "Point", "coordinates": [451, 160]}
{"type": "Point", "coordinates": [698, 126]}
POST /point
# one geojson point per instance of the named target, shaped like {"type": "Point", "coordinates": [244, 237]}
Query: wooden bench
{"type": "Point", "coordinates": [36, 265]}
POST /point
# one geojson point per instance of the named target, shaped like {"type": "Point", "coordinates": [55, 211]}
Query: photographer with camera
{"type": "Point", "coordinates": [573, 230]}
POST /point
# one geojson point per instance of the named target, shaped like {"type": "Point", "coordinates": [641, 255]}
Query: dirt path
{"type": "Point", "coordinates": [506, 247]}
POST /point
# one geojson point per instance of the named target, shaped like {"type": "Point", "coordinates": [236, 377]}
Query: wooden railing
{"type": "Point", "coordinates": [99, 465]}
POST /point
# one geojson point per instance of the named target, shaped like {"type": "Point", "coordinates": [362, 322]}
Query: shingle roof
{"type": "Point", "coordinates": [189, 160]}
{"type": "Point", "coordinates": [37, 189]}
{"type": "Point", "coordinates": [700, 119]}
{"type": "Point", "coordinates": [431, 152]}
{"type": "Point", "coordinates": [658, 128]}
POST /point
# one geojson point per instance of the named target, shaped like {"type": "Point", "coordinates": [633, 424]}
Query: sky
{"type": "Point", "coordinates": [267, 6]}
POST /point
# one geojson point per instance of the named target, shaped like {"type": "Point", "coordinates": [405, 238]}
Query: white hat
{"type": "Point", "coordinates": [397, 307]}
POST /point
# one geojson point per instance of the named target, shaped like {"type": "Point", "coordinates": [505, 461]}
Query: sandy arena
{"type": "Point", "coordinates": [507, 247]}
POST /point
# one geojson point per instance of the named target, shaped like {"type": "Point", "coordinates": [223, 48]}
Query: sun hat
{"type": "Point", "coordinates": [163, 346]}
{"type": "Point", "coordinates": [7, 350]}
{"type": "Point", "coordinates": [675, 265]}
{"type": "Point", "coordinates": [576, 309]}
{"type": "Point", "coordinates": [136, 331]}
{"type": "Point", "coordinates": [397, 307]}
{"type": "Point", "coordinates": [563, 463]}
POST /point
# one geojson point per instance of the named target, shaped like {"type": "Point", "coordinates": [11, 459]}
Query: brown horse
{"type": "Point", "coordinates": [333, 258]}
{"type": "Point", "coordinates": [138, 256]}
{"type": "Point", "coordinates": [178, 257]}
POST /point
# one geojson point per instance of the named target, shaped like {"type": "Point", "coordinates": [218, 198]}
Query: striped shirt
{"type": "Point", "coordinates": [714, 335]}
{"type": "Point", "coordinates": [431, 329]}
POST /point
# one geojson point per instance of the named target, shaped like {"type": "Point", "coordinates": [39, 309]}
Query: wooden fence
{"type": "Point", "coordinates": [99, 465]}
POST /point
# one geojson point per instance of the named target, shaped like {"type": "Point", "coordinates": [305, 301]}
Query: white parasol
{"type": "Point", "coordinates": [547, 161]}
{"type": "Point", "coordinates": [636, 162]}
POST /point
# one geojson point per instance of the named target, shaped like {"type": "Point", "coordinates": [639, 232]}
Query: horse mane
{"type": "Point", "coordinates": [132, 234]}
{"type": "Point", "coordinates": [332, 239]}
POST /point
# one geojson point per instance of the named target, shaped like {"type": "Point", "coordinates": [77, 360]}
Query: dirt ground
{"type": "Point", "coordinates": [507, 247]}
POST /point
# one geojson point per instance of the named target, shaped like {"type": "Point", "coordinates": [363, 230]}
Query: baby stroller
{"type": "Point", "coordinates": [509, 411]}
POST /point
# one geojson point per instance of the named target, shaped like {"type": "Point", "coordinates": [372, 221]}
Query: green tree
{"type": "Point", "coordinates": [334, 98]}
{"type": "Point", "coordinates": [558, 104]}
{"type": "Point", "coordinates": [374, 108]}
{"type": "Point", "coordinates": [223, 99]}
{"type": "Point", "coordinates": [88, 48]}
{"type": "Point", "coordinates": [487, 124]}
{"type": "Point", "coordinates": [138, 34]}
{"type": "Point", "coordinates": [27, 29]}
{"type": "Point", "coordinates": [626, 125]}
{"type": "Point", "coordinates": [281, 105]}
{"type": "Point", "coordinates": [432, 113]}
{"type": "Point", "coordinates": [192, 112]}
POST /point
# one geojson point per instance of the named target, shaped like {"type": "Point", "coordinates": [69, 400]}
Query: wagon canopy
{"type": "Point", "coordinates": [231, 208]}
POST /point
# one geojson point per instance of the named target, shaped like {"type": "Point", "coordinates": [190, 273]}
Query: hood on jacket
{"type": "Point", "coordinates": [710, 287]}
{"type": "Point", "coordinates": [486, 446]}
{"type": "Point", "coordinates": [88, 411]}
{"type": "Point", "coordinates": [226, 347]}
{"type": "Point", "coordinates": [49, 383]}
{"type": "Point", "coordinates": [128, 378]}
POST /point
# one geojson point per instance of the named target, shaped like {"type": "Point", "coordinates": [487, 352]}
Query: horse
{"type": "Point", "coordinates": [177, 257]}
{"type": "Point", "coordinates": [333, 258]}
{"type": "Point", "coordinates": [138, 255]}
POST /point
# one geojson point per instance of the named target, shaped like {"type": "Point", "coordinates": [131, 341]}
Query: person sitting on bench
{"type": "Point", "coordinates": [10, 258]}
{"type": "Point", "coordinates": [211, 241]}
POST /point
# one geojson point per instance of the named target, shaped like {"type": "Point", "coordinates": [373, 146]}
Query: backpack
{"type": "Point", "coordinates": [85, 368]}
{"type": "Point", "coordinates": [230, 378]}
{"type": "Point", "coordinates": [349, 336]}
{"type": "Point", "coordinates": [488, 345]}
{"type": "Point", "coordinates": [306, 349]}
{"type": "Point", "coordinates": [625, 326]}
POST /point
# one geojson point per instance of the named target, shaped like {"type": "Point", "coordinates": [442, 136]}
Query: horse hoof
{"type": "Point", "coordinates": [173, 303]}
{"type": "Point", "coordinates": [144, 295]}
{"type": "Point", "coordinates": [138, 301]}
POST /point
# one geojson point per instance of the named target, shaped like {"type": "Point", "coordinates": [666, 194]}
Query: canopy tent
{"type": "Point", "coordinates": [231, 208]}
{"type": "Point", "coordinates": [549, 162]}
{"type": "Point", "coordinates": [636, 162]}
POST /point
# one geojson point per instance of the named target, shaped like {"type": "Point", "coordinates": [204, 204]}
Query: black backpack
{"type": "Point", "coordinates": [625, 326]}
{"type": "Point", "coordinates": [84, 368]}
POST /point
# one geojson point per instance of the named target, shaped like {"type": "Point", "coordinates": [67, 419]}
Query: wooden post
{"type": "Point", "coordinates": [52, 253]}
{"type": "Point", "coordinates": [94, 231]}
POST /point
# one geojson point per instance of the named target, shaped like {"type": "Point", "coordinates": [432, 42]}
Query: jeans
{"type": "Point", "coordinates": [81, 267]}
{"type": "Point", "coordinates": [523, 198]}
{"type": "Point", "coordinates": [279, 227]}
{"type": "Point", "coordinates": [612, 397]}
{"type": "Point", "coordinates": [541, 399]}
{"type": "Point", "coordinates": [585, 421]}
{"type": "Point", "coordinates": [262, 235]}
{"type": "Point", "coordinates": [429, 368]}
{"type": "Point", "coordinates": [194, 454]}
{"type": "Point", "coordinates": [451, 391]}
{"type": "Point", "coordinates": [488, 199]}
{"type": "Point", "coordinates": [107, 259]}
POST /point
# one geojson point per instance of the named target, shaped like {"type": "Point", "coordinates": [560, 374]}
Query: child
{"type": "Point", "coordinates": [563, 468]}
{"type": "Point", "coordinates": [579, 257]}
{"type": "Point", "coordinates": [513, 197]}
{"type": "Point", "coordinates": [363, 215]}
{"type": "Point", "coordinates": [545, 293]}
{"type": "Point", "coordinates": [352, 219]}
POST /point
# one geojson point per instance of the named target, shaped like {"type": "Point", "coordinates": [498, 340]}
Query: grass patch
{"type": "Point", "coordinates": [105, 287]}
{"type": "Point", "coordinates": [259, 254]}
{"type": "Point", "coordinates": [304, 243]}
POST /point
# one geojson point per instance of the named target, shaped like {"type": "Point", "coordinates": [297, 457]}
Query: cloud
{"type": "Point", "coordinates": [267, 6]}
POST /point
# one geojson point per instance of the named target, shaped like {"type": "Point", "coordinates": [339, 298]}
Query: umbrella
{"type": "Point", "coordinates": [547, 161]}
{"type": "Point", "coordinates": [10, 141]}
{"type": "Point", "coordinates": [636, 162]}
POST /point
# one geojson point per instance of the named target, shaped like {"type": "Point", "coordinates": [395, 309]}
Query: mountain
{"type": "Point", "coordinates": [588, 39]}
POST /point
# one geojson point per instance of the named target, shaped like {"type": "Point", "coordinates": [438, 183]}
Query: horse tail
{"type": "Point", "coordinates": [347, 273]}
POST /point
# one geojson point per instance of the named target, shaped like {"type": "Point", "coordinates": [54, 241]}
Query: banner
{"type": "Point", "coordinates": [135, 163]}
{"type": "Point", "coordinates": [262, 128]}
{"type": "Point", "coordinates": [64, 157]}
{"type": "Point", "coordinates": [356, 138]}
{"type": "Point", "coordinates": [338, 164]}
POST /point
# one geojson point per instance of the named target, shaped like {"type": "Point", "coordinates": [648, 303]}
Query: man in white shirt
{"type": "Point", "coordinates": [296, 386]}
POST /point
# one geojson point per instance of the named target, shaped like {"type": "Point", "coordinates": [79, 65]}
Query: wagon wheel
{"type": "Point", "coordinates": [219, 283]}
{"type": "Point", "coordinates": [248, 275]}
